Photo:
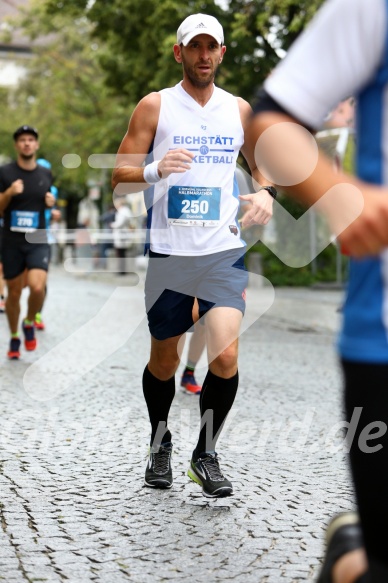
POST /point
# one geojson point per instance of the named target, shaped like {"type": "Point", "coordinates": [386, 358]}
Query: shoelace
{"type": "Point", "coordinates": [161, 460]}
{"type": "Point", "coordinates": [212, 467]}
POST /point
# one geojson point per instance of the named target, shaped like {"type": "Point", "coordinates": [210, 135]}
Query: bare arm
{"type": "Point", "coordinates": [136, 145]}
{"type": "Point", "coordinates": [357, 212]}
{"type": "Point", "coordinates": [50, 200]}
{"type": "Point", "coordinates": [260, 203]}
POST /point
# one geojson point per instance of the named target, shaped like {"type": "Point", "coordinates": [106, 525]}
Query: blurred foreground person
{"type": "Point", "coordinates": [344, 52]}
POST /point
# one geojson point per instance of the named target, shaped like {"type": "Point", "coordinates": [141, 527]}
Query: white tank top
{"type": "Point", "coordinates": [195, 213]}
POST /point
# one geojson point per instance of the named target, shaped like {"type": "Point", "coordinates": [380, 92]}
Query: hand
{"type": "Point", "coordinates": [175, 161]}
{"type": "Point", "coordinates": [55, 215]}
{"type": "Point", "coordinates": [16, 187]}
{"type": "Point", "coordinates": [260, 211]}
{"type": "Point", "coordinates": [368, 234]}
{"type": "Point", "coordinates": [49, 199]}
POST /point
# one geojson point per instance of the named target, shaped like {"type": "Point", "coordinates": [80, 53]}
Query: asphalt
{"type": "Point", "coordinates": [74, 434]}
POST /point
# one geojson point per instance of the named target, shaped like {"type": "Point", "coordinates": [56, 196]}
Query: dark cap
{"type": "Point", "coordinates": [25, 130]}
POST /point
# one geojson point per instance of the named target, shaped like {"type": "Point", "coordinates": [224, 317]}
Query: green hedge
{"type": "Point", "coordinates": [280, 274]}
{"type": "Point", "coordinates": [325, 270]}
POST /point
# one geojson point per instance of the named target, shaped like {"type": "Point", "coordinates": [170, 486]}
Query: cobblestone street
{"type": "Point", "coordinates": [74, 434]}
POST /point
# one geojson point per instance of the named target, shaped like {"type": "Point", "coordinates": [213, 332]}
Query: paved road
{"type": "Point", "coordinates": [73, 445]}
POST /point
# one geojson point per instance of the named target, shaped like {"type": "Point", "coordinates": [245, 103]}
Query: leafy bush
{"type": "Point", "coordinates": [323, 269]}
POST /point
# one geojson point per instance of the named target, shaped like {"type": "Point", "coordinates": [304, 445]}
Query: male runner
{"type": "Point", "coordinates": [345, 52]}
{"type": "Point", "coordinates": [24, 197]}
{"type": "Point", "coordinates": [195, 131]}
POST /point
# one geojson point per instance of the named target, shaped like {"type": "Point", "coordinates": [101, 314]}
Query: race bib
{"type": "Point", "coordinates": [194, 206]}
{"type": "Point", "coordinates": [24, 221]}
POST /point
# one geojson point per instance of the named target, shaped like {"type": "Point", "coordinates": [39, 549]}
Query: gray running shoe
{"type": "Point", "coordinates": [207, 473]}
{"type": "Point", "coordinates": [158, 472]}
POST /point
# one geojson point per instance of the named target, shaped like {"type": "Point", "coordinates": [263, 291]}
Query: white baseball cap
{"type": "Point", "coordinates": [199, 24]}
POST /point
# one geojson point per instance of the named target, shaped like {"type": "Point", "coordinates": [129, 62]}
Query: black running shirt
{"type": "Point", "coordinates": [25, 212]}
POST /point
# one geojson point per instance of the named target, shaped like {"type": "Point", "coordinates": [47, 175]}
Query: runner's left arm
{"type": "Point", "coordinates": [50, 200]}
{"type": "Point", "coordinates": [261, 202]}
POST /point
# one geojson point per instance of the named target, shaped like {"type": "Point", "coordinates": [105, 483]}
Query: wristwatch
{"type": "Point", "coordinates": [270, 189]}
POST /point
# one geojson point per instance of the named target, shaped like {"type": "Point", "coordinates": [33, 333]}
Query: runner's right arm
{"type": "Point", "coordinates": [14, 189]}
{"type": "Point", "coordinates": [136, 145]}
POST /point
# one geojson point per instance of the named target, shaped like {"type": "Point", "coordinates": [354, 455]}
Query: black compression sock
{"type": "Point", "coordinates": [216, 400]}
{"type": "Point", "coordinates": [158, 396]}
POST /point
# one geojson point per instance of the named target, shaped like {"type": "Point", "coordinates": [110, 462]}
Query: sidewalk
{"type": "Point", "coordinates": [74, 434]}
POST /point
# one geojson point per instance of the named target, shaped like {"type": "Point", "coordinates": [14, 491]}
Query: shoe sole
{"type": "Point", "coordinates": [223, 493]}
{"type": "Point", "coordinates": [165, 486]}
{"type": "Point", "coordinates": [187, 392]}
{"type": "Point", "coordinates": [13, 356]}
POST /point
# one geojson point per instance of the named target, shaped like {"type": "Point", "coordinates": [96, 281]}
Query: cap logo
{"type": "Point", "coordinates": [200, 25]}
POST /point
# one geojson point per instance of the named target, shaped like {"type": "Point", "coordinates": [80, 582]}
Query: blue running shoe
{"type": "Point", "coordinates": [29, 336]}
{"type": "Point", "coordinates": [189, 384]}
{"type": "Point", "coordinates": [14, 349]}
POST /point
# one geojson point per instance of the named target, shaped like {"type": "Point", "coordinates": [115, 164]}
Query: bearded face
{"type": "Point", "coordinates": [26, 146]}
{"type": "Point", "coordinates": [200, 60]}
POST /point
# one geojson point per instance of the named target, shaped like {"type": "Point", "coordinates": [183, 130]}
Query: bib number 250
{"type": "Point", "coordinates": [195, 206]}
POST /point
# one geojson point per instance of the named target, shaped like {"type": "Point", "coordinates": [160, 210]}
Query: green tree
{"type": "Point", "coordinates": [138, 36]}
{"type": "Point", "coordinates": [97, 59]}
{"type": "Point", "coordinates": [65, 96]}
